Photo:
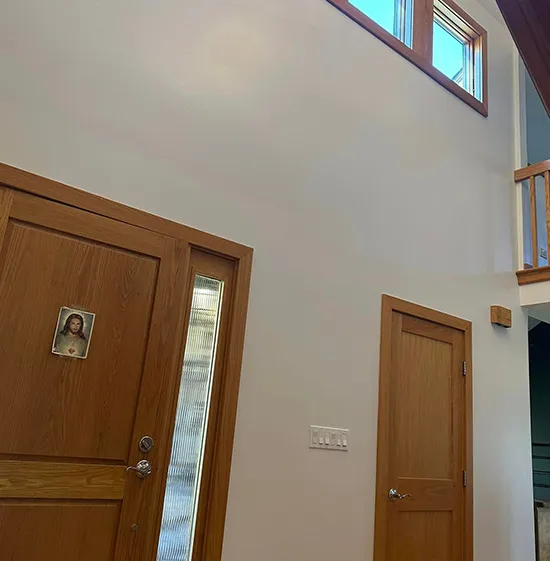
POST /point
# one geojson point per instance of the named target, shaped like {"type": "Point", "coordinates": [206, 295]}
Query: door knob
{"type": "Point", "coordinates": [395, 495]}
{"type": "Point", "coordinates": [143, 469]}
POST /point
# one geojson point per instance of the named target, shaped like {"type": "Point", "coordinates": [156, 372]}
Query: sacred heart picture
{"type": "Point", "coordinates": [73, 333]}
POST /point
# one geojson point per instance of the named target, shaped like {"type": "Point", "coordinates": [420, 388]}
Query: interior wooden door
{"type": "Point", "coordinates": [70, 427]}
{"type": "Point", "coordinates": [423, 506]}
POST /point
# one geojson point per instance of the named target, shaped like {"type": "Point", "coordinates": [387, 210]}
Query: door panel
{"type": "Point", "coordinates": [422, 449]}
{"type": "Point", "coordinates": [424, 535]}
{"type": "Point", "coordinates": [75, 411]}
{"type": "Point", "coordinates": [64, 530]}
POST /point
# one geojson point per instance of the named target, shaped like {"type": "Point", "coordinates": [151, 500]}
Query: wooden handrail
{"type": "Point", "coordinates": [531, 171]}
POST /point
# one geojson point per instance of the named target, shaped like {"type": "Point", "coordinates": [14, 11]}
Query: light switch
{"type": "Point", "coordinates": [315, 437]}
{"type": "Point", "coordinates": [328, 438]}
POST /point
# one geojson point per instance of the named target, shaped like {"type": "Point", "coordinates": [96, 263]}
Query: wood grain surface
{"type": "Point", "coordinates": [50, 480]}
{"type": "Point", "coordinates": [58, 530]}
{"type": "Point", "coordinates": [424, 436]}
{"type": "Point", "coordinates": [69, 428]}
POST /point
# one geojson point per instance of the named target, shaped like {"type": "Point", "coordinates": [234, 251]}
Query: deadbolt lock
{"type": "Point", "coordinates": [146, 444]}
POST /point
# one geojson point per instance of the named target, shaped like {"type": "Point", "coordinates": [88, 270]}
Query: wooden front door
{"type": "Point", "coordinates": [70, 427]}
{"type": "Point", "coordinates": [423, 502]}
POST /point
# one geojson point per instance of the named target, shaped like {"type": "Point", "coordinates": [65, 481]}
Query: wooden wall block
{"type": "Point", "coordinates": [501, 316]}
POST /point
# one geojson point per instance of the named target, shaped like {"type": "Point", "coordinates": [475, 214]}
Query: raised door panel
{"type": "Point", "coordinates": [423, 536]}
{"type": "Point", "coordinates": [58, 406]}
{"type": "Point", "coordinates": [423, 409]}
{"type": "Point", "coordinates": [58, 531]}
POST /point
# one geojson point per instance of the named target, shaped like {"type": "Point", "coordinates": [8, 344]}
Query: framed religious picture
{"type": "Point", "coordinates": [73, 333]}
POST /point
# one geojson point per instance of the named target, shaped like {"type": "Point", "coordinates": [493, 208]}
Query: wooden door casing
{"type": "Point", "coordinates": [424, 436]}
{"type": "Point", "coordinates": [99, 489]}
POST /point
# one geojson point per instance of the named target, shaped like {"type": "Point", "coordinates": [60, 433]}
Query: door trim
{"type": "Point", "coordinates": [20, 180]}
{"type": "Point", "coordinates": [391, 304]}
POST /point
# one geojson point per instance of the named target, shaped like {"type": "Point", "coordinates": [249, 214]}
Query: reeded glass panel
{"type": "Point", "coordinates": [394, 16]}
{"type": "Point", "coordinates": [184, 472]}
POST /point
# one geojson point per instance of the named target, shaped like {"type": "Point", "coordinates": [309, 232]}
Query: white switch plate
{"type": "Point", "coordinates": [328, 438]}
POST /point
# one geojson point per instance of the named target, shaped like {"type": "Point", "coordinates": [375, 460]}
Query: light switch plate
{"type": "Point", "coordinates": [328, 438]}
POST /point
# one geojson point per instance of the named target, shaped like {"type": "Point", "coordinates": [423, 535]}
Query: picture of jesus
{"type": "Point", "coordinates": [73, 333]}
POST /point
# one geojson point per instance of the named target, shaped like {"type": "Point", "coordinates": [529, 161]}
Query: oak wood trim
{"type": "Point", "coordinates": [51, 480]}
{"type": "Point", "coordinates": [547, 200]}
{"type": "Point", "coordinates": [55, 216]}
{"type": "Point", "coordinates": [219, 491]}
{"type": "Point", "coordinates": [171, 411]}
{"type": "Point", "coordinates": [6, 201]}
{"type": "Point", "coordinates": [202, 263]}
{"type": "Point", "coordinates": [469, 445]}
{"type": "Point", "coordinates": [382, 451]}
{"type": "Point", "coordinates": [535, 169]}
{"type": "Point", "coordinates": [217, 459]}
{"type": "Point", "coordinates": [534, 231]}
{"type": "Point", "coordinates": [422, 25]}
{"type": "Point", "coordinates": [532, 276]}
{"type": "Point", "coordinates": [428, 314]}
{"type": "Point", "coordinates": [161, 373]}
{"type": "Point", "coordinates": [49, 189]}
{"type": "Point", "coordinates": [391, 304]}
{"type": "Point", "coordinates": [484, 46]}
{"type": "Point", "coordinates": [213, 448]}
{"type": "Point", "coordinates": [464, 16]}
{"type": "Point", "coordinates": [418, 58]}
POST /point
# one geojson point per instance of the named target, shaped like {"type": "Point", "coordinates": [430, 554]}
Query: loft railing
{"type": "Point", "coordinates": [535, 198]}
{"type": "Point", "coordinates": [541, 466]}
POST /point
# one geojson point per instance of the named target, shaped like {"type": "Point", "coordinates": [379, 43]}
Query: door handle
{"type": "Point", "coordinates": [143, 469]}
{"type": "Point", "coordinates": [395, 495]}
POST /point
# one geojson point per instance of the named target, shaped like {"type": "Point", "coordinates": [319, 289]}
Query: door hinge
{"type": "Point", "coordinates": [464, 368]}
{"type": "Point", "coordinates": [465, 478]}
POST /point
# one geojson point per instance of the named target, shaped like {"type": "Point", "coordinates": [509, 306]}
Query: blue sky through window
{"type": "Point", "coordinates": [448, 53]}
{"type": "Point", "coordinates": [381, 11]}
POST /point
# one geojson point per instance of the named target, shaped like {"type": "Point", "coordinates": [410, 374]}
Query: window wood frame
{"type": "Point", "coordinates": [424, 12]}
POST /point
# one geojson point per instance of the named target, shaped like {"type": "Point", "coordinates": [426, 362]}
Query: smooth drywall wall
{"type": "Point", "coordinates": [286, 126]}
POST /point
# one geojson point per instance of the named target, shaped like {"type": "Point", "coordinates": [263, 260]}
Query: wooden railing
{"type": "Point", "coordinates": [534, 272]}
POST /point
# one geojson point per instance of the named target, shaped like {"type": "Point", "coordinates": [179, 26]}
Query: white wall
{"type": "Point", "coordinates": [285, 126]}
{"type": "Point", "coordinates": [538, 124]}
